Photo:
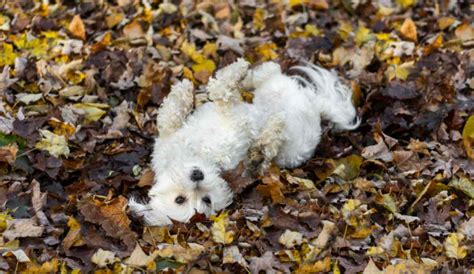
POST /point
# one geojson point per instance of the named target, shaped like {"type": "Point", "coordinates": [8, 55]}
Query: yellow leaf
{"type": "Point", "coordinates": [61, 128]}
{"type": "Point", "coordinates": [344, 30]}
{"type": "Point", "coordinates": [363, 35]}
{"type": "Point", "coordinates": [452, 247]}
{"type": "Point", "coordinates": [408, 30]}
{"type": "Point", "coordinates": [399, 71]}
{"type": "Point", "coordinates": [348, 168]}
{"type": "Point", "coordinates": [4, 217]}
{"type": "Point", "coordinates": [387, 201]}
{"type": "Point", "coordinates": [317, 267]}
{"type": "Point", "coordinates": [4, 23]}
{"type": "Point", "coordinates": [56, 145]}
{"type": "Point", "coordinates": [383, 36]}
{"type": "Point", "coordinates": [189, 49]}
{"type": "Point", "coordinates": [315, 4]}
{"type": "Point", "coordinates": [218, 229]}
{"type": "Point", "coordinates": [47, 267]}
{"type": "Point", "coordinates": [188, 74]}
{"type": "Point", "coordinates": [362, 232]}
{"type": "Point", "coordinates": [312, 30]}
{"type": "Point", "coordinates": [114, 19]}
{"type": "Point", "coordinates": [258, 19]}
{"type": "Point", "coordinates": [468, 137]}
{"type": "Point", "coordinates": [445, 22]}
{"type": "Point", "coordinates": [76, 27]}
{"type": "Point", "coordinates": [92, 112]}
{"type": "Point", "coordinates": [406, 3]}
{"type": "Point", "coordinates": [38, 47]}
{"type": "Point", "coordinates": [206, 65]}
{"type": "Point", "coordinates": [267, 51]}
{"type": "Point", "coordinates": [7, 55]}
{"type": "Point", "coordinates": [463, 184]}
{"type": "Point", "coordinates": [209, 49]}
{"type": "Point", "coordinates": [347, 211]}
{"type": "Point", "coordinates": [374, 250]}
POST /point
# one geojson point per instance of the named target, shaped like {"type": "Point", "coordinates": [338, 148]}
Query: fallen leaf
{"type": "Point", "coordinates": [329, 228]}
{"type": "Point", "coordinates": [92, 112]}
{"type": "Point", "coordinates": [77, 28]}
{"type": "Point", "coordinates": [445, 22]}
{"type": "Point", "coordinates": [463, 184]}
{"type": "Point", "coordinates": [73, 237]}
{"type": "Point", "coordinates": [21, 228]}
{"type": "Point", "coordinates": [133, 30]}
{"type": "Point", "coordinates": [111, 216]}
{"type": "Point", "coordinates": [267, 51]}
{"type": "Point", "coordinates": [19, 254]}
{"type": "Point", "coordinates": [468, 137]}
{"type": "Point", "coordinates": [453, 248]}
{"type": "Point", "coordinates": [465, 32]}
{"type": "Point", "coordinates": [263, 263]}
{"type": "Point", "coordinates": [102, 258]}
{"type": "Point", "coordinates": [56, 145]}
{"type": "Point", "coordinates": [179, 253]}
{"type": "Point", "coordinates": [408, 30]}
{"type": "Point", "coordinates": [378, 151]}
{"type": "Point", "coordinates": [290, 238]}
{"type": "Point", "coordinates": [8, 153]}
{"type": "Point", "coordinates": [232, 255]}
{"type": "Point", "coordinates": [147, 178]}
{"type": "Point", "coordinates": [220, 234]}
{"type": "Point", "coordinates": [139, 258]}
{"type": "Point", "coordinates": [318, 266]}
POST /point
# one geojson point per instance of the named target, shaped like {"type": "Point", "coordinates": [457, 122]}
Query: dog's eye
{"type": "Point", "coordinates": [197, 175]}
{"type": "Point", "coordinates": [206, 200]}
{"type": "Point", "coordinates": [180, 200]}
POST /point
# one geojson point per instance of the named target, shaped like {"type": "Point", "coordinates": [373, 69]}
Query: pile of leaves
{"type": "Point", "coordinates": [80, 85]}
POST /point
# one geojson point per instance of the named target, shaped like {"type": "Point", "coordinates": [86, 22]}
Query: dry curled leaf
{"type": "Point", "coordinates": [77, 28]}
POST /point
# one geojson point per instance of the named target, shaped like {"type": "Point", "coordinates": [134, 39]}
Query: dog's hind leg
{"type": "Point", "coordinates": [260, 74]}
{"type": "Point", "coordinates": [175, 107]}
{"type": "Point", "coordinates": [266, 147]}
{"type": "Point", "coordinates": [224, 87]}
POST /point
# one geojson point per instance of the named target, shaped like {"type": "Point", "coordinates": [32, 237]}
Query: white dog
{"type": "Point", "coordinates": [282, 124]}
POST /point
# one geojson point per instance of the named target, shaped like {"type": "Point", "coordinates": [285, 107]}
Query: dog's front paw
{"type": "Point", "coordinates": [256, 161]}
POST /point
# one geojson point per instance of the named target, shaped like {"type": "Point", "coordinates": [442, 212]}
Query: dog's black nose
{"type": "Point", "coordinates": [197, 175]}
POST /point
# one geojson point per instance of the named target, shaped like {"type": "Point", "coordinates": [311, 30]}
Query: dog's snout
{"type": "Point", "coordinates": [197, 175]}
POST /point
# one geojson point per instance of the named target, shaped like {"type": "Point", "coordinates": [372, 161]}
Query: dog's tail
{"type": "Point", "coordinates": [334, 99]}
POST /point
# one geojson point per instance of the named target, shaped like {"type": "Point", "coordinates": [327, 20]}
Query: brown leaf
{"type": "Point", "coordinates": [133, 30]}
{"type": "Point", "coordinates": [271, 186]}
{"type": "Point", "coordinates": [147, 178]}
{"type": "Point", "coordinates": [76, 27]}
{"type": "Point", "coordinates": [8, 153]}
{"type": "Point", "coordinates": [408, 30]}
{"type": "Point", "coordinates": [237, 179]}
{"type": "Point", "coordinates": [111, 216]}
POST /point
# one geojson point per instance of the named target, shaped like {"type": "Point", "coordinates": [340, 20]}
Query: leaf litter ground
{"type": "Point", "coordinates": [80, 85]}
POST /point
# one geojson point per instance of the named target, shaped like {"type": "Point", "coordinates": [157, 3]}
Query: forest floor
{"type": "Point", "coordinates": [80, 85]}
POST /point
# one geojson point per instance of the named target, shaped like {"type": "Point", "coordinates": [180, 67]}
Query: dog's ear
{"type": "Point", "coordinates": [151, 216]}
{"type": "Point", "coordinates": [175, 108]}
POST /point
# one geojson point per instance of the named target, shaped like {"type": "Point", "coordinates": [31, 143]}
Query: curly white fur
{"type": "Point", "coordinates": [283, 122]}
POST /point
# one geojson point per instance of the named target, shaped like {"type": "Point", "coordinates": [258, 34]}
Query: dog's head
{"type": "Point", "coordinates": [182, 189]}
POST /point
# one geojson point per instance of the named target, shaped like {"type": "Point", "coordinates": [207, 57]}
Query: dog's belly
{"type": "Point", "coordinates": [302, 133]}
{"type": "Point", "coordinates": [222, 137]}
